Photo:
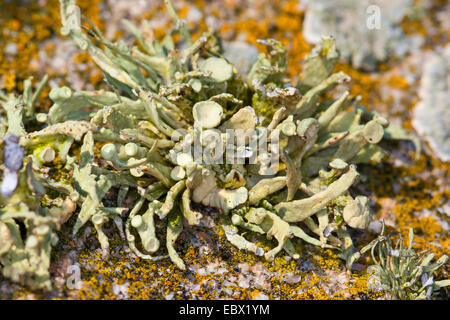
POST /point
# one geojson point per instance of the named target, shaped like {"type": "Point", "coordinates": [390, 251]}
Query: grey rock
{"type": "Point", "coordinates": [431, 116]}
{"type": "Point", "coordinates": [360, 40]}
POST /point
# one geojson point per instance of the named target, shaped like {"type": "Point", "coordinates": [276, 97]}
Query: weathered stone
{"type": "Point", "coordinates": [361, 40]}
{"type": "Point", "coordinates": [243, 55]}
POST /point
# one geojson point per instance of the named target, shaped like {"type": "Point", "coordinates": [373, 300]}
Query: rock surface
{"type": "Point", "coordinates": [243, 55]}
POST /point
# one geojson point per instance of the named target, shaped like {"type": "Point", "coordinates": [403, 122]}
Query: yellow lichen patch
{"type": "Point", "coordinates": [147, 280]}
{"type": "Point", "coordinates": [423, 23]}
{"type": "Point", "coordinates": [398, 82]}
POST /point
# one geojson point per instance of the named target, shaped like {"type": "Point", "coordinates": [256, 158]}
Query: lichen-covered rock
{"type": "Point", "coordinates": [179, 126]}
